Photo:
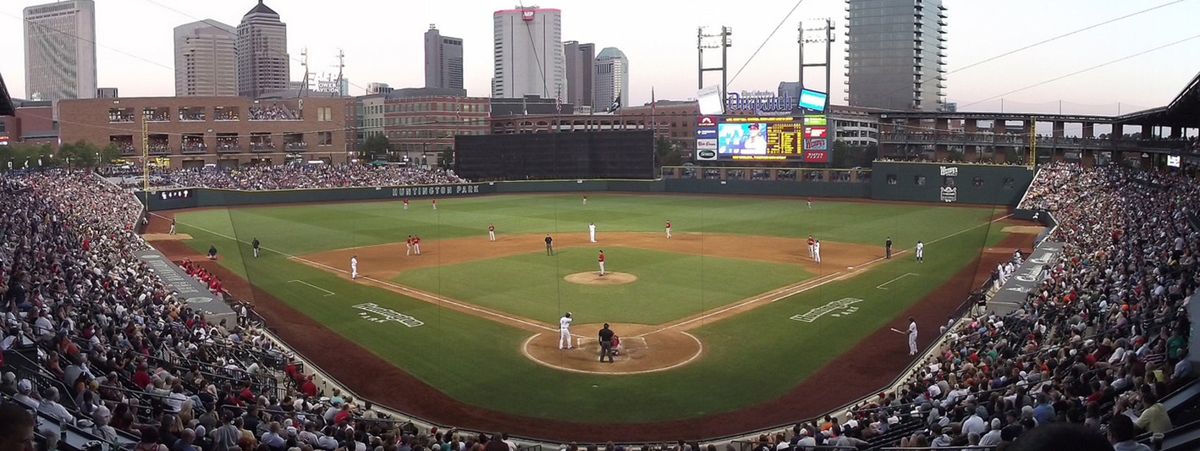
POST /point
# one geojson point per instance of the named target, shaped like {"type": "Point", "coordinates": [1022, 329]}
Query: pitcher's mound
{"type": "Point", "coordinates": [594, 278]}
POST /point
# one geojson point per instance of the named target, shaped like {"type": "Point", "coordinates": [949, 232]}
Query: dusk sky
{"type": "Point", "coordinates": [383, 42]}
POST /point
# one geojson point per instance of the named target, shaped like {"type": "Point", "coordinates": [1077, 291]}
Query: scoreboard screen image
{"type": "Point", "coordinates": [762, 138]}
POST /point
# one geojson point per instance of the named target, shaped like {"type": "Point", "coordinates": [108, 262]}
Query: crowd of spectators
{"type": "Point", "coordinates": [121, 356]}
{"type": "Point", "coordinates": [296, 176]}
{"type": "Point", "coordinates": [271, 113]}
{"type": "Point", "coordinates": [1095, 346]}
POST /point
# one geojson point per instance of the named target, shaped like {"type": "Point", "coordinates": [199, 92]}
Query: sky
{"type": "Point", "coordinates": [382, 41]}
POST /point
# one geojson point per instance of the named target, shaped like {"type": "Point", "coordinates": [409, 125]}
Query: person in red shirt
{"type": "Point", "coordinates": [406, 204]}
{"type": "Point", "coordinates": [309, 388]}
{"type": "Point", "coordinates": [601, 260]}
{"type": "Point", "coordinates": [435, 204]}
{"type": "Point", "coordinates": [141, 378]}
{"type": "Point", "coordinates": [417, 244]}
{"type": "Point", "coordinates": [811, 246]}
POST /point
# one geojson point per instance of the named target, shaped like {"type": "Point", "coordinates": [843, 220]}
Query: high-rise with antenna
{"type": "Point", "coordinates": [263, 65]}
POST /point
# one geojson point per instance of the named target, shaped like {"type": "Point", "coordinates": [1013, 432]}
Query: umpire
{"type": "Point", "coordinates": [606, 341]}
{"type": "Point", "coordinates": [888, 245]}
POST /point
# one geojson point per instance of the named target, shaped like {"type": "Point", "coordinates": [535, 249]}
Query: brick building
{"type": "Point", "coordinates": [421, 121]}
{"type": "Point", "coordinates": [32, 123]}
{"type": "Point", "coordinates": [228, 131]}
{"type": "Point", "coordinates": [676, 120]}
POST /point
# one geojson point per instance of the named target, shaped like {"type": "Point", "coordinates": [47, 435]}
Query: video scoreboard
{"type": "Point", "coordinates": [764, 138]}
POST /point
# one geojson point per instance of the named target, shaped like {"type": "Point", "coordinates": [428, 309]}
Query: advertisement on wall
{"type": "Point", "coordinates": [706, 149]}
{"type": "Point", "coordinates": [816, 156]}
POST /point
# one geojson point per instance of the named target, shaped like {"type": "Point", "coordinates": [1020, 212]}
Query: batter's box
{"type": "Point", "coordinates": [631, 348]}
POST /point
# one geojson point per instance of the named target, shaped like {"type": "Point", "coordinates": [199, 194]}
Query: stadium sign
{"type": "Point", "coordinates": [948, 171]}
{"type": "Point", "coordinates": [441, 190]}
{"type": "Point", "coordinates": [736, 104]}
{"type": "Point", "coordinates": [816, 156]}
{"type": "Point", "coordinates": [836, 309]}
{"type": "Point", "coordinates": [376, 314]}
{"type": "Point", "coordinates": [949, 194]}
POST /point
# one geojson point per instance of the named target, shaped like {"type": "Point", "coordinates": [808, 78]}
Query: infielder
{"type": "Point", "coordinates": [172, 232]}
{"type": "Point", "coordinates": [491, 232]}
{"type": "Point", "coordinates": [912, 336]}
{"type": "Point", "coordinates": [668, 229]}
{"type": "Point", "coordinates": [817, 251]}
{"type": "Point", "coordinates": [592, 231]}
{"type": "Point", "coordinates": [408, 246]}
{"type": "Point", "coordinates": [417, 244]}
{"type": "Point", "coordinates": [354, 267]}
{"type": "Point", "coordinates": [811, 243]}
{"type": "Point", "coordinates": [549, 245]}
{"type": "Point", "coordinates": [920, 252]}
{"type": "Point", "coordinates": [601, 260]}
{"type": "Point", "coordinates": [255, 244]}
{"type": "Point", "coordinates": [564, 332]}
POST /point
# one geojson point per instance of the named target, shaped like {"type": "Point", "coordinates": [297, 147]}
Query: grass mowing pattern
{"type": "Point", "coordinates": [754, 357]}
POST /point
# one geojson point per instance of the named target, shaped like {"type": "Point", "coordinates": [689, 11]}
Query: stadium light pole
{"type": "Point", "coordinates": [827, 26]}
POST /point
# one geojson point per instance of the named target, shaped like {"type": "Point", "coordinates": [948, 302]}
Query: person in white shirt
{"type": "Point", "coordinates": [51, 407]}
{"type": "Point", "coordinates": [992, 437]}
{"type": "Point", "coordinates": [817, 251]}
{"type": "Point", "coordinates": [354, 267]}
{"type": "Point", "coordinates": [564, 332]}
{"type": "Point", "coordinates": [975, 423]}
{"type": "Point", "coordinates": [592, 231]}
{"type": "Point", "coordinates": [24, 388]}
{"type": "Point", "coordinates": [920, 252]}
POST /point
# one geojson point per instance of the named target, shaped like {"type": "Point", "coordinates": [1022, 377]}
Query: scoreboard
{"type": "Point", "coordinates": [762, 138]}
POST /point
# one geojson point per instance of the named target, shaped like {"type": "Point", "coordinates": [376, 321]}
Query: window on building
{"type": "Point", "coordinates": [324, 138]}
{"type": "Point", "coordinates": [324, 114]}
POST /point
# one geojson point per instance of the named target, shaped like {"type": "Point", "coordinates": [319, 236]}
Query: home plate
{"type": "Point", "coordinates": [849, 267]}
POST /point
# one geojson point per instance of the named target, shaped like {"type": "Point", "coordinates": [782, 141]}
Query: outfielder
{"type": "Point", "coordinates": [406, 204]}
{"type": "Point", "coordinates": [592, 231]}
{"type": "Point", "coordinates": [601, 260]}
{"type": "Point", "coordinates": [912, 336]}
{"type": "Point", "coordinates": [354, 267]}
{"type": "Point", "coordinates": [585, 200]}
{"type": "Point", "coordinates": [491, 232]}
{"type": "Point", "coordinates": [817, 251]}
{"type": "Point", "coordinates": [564, 332]}
{"type": "Point", "coordinates": [668, 229]}
{"type": "Point", "coordinates": [435, 204]}
{"type": "Point", "coordinates": [920, 252]}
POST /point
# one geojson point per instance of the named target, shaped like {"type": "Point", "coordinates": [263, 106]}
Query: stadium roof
{"type": "Point", "coordinates": [6, 103]}
{"type": "Point", "coordinates": [1183, 111]}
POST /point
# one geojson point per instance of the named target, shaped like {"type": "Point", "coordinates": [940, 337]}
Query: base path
{"type": "Point", "coordinates": [639, 353]}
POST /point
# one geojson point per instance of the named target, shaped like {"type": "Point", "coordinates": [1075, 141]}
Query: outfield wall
{"type": "Point", "coordinates": [890, 181]}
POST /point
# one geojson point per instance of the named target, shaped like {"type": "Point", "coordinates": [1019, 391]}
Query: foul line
{"type": "Point", "coordinates": [880, 286]}
{"type": "Point", "coordinates": [416, 294]}
{"type": "Point", "coordinates": [330, 293]}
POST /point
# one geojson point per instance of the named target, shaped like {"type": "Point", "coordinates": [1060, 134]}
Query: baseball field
{"type": "Point", "coordinates": [728, 324]}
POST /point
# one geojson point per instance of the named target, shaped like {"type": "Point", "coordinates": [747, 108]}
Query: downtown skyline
{"type": "Point", "coordinates": [660, 37]}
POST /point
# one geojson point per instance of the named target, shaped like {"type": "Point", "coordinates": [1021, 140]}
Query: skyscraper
{"type": "Point", "coordinates": [60, 50]}
{"type": "Point", "coordinates": [206, 59]}
{"type": "Point", "coordinates": [610, 78]}
{"type": "Point", "coordinates": [263, 65]}
{"type": "Point", "coordinates": [443, 60]}
{"type": "Point", "coordinates": [895, 54]}
{"type": "Point", "coordinates": [580, 58]}
{"type": "Point", "coordinates": [528, 53]}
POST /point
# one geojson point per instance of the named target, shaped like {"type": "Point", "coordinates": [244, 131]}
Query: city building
{"type": "Point", "coordinates": [107, 93]}
{"type": "Point", "coordinates": [60, 50]}
{"type": "Point", "coordinates": [528, 105]}
{"type": "Point", "coordinates": [855, 126]}
{"type": "Point", "coordinates": [206, 59]}
{"type": "Point", "coordinates": [421, 121]}
{"type": "Point", "coordinates": [263, 65]}
{"type": "Point", "coordinates": [31, 122]}
{"type": "Point", "coordinates": [567, 123]}
{"type": "Point", "coordinates": [673, 119]}
{"type": "Point", "coordinates": [443, 60]}
{"type": "Point", "coordinates": [378, 88]}
{"type": "Point", "coordinates": [199, 130]}
{"type": "Point", "coordinates": [610, 78]}
{"type": "Point", "coordinates": [580, 58]}
{"type": "Point", "coordinates": [528, 53]}
{"type": "Point", "coordinates": [896, 54]}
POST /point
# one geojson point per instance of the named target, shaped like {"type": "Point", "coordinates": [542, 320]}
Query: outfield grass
{"type": "Point", "coordinates": [669, 285]}
{"type": "Point", "coordinates": [753, 357]}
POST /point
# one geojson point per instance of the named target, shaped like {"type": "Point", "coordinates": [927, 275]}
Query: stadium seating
{"type": "Point", "coordinates": [290, 176]}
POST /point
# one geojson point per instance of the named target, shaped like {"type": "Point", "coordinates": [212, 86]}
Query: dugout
{"type": "Point", "coordinates": [546, 156]}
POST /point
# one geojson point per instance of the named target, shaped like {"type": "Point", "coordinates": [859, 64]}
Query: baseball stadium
{"type": "Point", "coordinates": [784, 273]}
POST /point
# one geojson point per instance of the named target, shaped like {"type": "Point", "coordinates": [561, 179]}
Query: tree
{"type": "Point", "coordinates": [376, 148]}
{"type": "Point", "coordinates": [666, 152]}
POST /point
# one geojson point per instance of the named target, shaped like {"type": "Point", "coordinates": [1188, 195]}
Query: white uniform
{"type": "Point", "coordinates": [564, 333]}
{"type": "Point", "coordinates": [817, 251]}
{"type": "Point", "coordinates": [912, 338]}
{"type": "Point", "coordinates": [920, 252]}
{"type": "Point", "coordinates": [592, 231]}
{"type": "Point", "coordinates": [491, 234]}
{"type": "Point", "coordinates": [353, 267]}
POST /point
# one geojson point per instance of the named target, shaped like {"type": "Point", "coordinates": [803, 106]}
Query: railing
{"type": "Point", "coordinates": [193, 148]}
{"type": "Point", "coordinates": [263, 147]}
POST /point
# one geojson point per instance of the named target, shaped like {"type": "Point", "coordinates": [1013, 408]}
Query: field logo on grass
{"type": "Point", "coordinates": [376, 314]}
{"type": "Point", "coordinates": [839, 308]}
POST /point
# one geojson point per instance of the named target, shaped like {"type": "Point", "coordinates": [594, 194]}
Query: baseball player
{"type": "Point", "coordinates": [592, 231]}
{"type": "Point", "coordinates": [601, 260]}
{"type": "Point", "coordinates": [408, 248]}
{"type": "Point", "coordinates": [435, 204]}
{"type": "Point", "coordinates": [491, 232]}
{"type": "Point", "coordinates": [817, 251]}
{"type": "Point", "coordinates": [172, 232]}
{"type": "Point", "coordinates": [585, 200]}
{"type": "Point", "coordinates": [668, 229]}
{"type": "Point", "coordinates": [920, 252]}
{"type": "Point", "coordinates": [255, 244]}
{"type": "Point", "coordinates": [809, 202]}
{"type": "Point", "coordinates": [417, 244]}
{"type": "Point", "coordinates": [887, 246]}
{"type": "Point", "coordinates": [564, 331]}
{"type": "Point", "coordinates": [406, 204]}
{"type": "Point", "coordinates": [354, 267]}
{"type": "Point", "coordinates": [811, 243]}
{"type": "Point", "coordinates": [912, 336]}
{"type": "Point", "coordinates": [549, 245]}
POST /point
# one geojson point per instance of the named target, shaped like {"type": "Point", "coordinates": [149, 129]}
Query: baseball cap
{"type": "Point", "coordinates": [24, 386]}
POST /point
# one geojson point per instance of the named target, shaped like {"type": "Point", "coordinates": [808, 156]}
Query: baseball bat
{"type": "Point", "coordinates": [897, 330]}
